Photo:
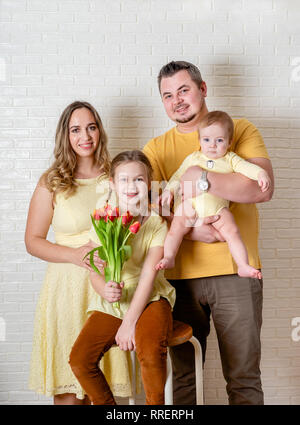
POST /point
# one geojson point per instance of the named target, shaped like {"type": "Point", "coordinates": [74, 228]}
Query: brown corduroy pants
{"type": "Point", "coordinates": [98, 335]}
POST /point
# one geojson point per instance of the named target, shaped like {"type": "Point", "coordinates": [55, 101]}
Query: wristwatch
{"type": "Point", "coordinates": [203, 183]}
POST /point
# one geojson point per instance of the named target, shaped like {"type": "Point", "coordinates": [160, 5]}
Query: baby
{"type": "Point", "coordinates": [216, 133]}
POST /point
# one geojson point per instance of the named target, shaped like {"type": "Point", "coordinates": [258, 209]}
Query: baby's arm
{"type": "Point", "coordinates": [252, 171]}
{"type": "Point", "coordinates": [111, 291]}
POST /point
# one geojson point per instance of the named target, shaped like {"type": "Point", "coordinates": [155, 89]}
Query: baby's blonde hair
{"type": "Point", "coordinates": [218, 117]}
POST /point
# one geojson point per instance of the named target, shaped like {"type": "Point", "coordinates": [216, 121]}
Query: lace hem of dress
{"type": "Point", "coordinates": [119, 390]}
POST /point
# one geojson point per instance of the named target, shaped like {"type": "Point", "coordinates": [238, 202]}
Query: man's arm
{"type": "Point", "coordinates": [233, 186]}
{"type": "Point", "coordinates": [238, 188]}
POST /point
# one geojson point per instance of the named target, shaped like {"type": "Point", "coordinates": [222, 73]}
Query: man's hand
{"type": "Point", "coordinates": [206, 232]}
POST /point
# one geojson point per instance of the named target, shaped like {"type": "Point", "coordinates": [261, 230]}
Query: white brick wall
{"type": "Point", "coordinates": [109, 53]}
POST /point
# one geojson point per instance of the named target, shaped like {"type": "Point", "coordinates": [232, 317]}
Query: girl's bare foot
{"type": "Point", "coordinates": [249, 271]}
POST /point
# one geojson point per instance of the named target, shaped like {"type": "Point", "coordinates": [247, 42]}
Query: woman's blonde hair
{"type": "Point", "coordinates": [60, 176]}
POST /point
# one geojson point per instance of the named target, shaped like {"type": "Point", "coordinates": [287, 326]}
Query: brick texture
{"type": "Point", "coordinates": [109, 53]}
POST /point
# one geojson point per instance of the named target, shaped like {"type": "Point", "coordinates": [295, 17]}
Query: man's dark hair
{"type": "Point", "coordinates": [175, 66]}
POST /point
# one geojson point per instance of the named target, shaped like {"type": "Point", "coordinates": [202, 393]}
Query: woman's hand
{"type": "Point", "coordinates": [125, 337]}
{"type": "Point", "coordinates": [78, 259]}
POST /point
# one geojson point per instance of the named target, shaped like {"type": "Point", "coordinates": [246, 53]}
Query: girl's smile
{"type": "Point", "coordinates": [131, 185]}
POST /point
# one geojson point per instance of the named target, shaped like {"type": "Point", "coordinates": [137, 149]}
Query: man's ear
{"type": "Point", "coordinates": [203, 89]}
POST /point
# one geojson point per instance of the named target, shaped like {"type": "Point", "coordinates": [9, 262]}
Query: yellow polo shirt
{"type": "Point", "coordinates": [199, 259]}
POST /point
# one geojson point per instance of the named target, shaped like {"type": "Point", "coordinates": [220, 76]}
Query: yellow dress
{"type": "Point", "coordinates": [63, 302]}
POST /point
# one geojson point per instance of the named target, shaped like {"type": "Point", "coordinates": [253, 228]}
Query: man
{"type": "Point", "coordinates": [205, 275]}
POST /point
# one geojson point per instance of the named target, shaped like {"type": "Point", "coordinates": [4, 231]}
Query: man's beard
{"type": "Point", "coordinates": [185, 120]}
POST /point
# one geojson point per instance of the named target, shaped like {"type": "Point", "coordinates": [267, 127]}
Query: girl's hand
{"type": "Point", "coordinates": [79, 253]}
{"type": "Point", "coordinates": [125, 337]}
{"type": "Point", "coordinates": [112, 291]}
{"type": "Point", "coordinates": [264, 180]}
{"type": "Point", "coordinates": [166, 198]}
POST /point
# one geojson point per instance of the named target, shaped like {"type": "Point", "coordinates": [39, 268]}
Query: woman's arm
{"type": "Point", "coordinates": [125, 335]}
{"type": "Point", "coordinates": [38, 223]}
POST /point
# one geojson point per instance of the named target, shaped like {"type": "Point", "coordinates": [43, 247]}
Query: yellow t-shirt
{"type": "Point", "coordinates": [198, 259]}
{"type": "Point", "coordinates": [152, 233]}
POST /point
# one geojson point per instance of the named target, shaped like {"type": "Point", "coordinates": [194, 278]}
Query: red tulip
{"type": "Point", "coordinates": [135, 227]}
{"type": "Point", "coordinates": [126, 218]}
{"type": "Point", "coordinates": [98, 214]}
{"type": "Point", "coordinates": [115, 212]}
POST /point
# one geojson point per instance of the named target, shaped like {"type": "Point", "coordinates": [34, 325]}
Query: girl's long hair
{"type": "Point", "coordinates": [60, 176]}
{"type": "Point", "coordinates": [131, 156]}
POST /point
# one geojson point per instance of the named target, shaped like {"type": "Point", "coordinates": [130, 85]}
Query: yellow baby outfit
{"type": "Point", "coordinates": [207, 204]}
{"type": "Point", "coordinates": [152, 233]}
{"type": "Point", "coordinates": [63, 302]}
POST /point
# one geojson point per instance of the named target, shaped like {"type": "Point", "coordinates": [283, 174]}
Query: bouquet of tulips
{"type": "Point", "coordinates": [113, 231]}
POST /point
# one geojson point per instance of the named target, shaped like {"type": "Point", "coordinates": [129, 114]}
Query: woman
{"type": "Point", "coordinates": [65, 196]}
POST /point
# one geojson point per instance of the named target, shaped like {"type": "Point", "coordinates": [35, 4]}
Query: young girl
{"type": "Point", "coordinates": [144, 320]}
{"type": "Point", "coordinates": [216, 133]}
{"type": "Point", "coordinates": [65, 196]}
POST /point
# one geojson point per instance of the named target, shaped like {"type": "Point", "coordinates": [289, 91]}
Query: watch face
{"type": "Point", "coordinates": [203, 184]}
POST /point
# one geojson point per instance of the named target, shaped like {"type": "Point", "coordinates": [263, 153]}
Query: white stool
{"type": "Point", "coordinates": [181, 333]}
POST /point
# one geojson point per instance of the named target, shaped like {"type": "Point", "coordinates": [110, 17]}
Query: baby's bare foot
{"type": "Point", "coordinates": [249, 271]}
{"type": "Point", "coordinates": [165, 263]}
